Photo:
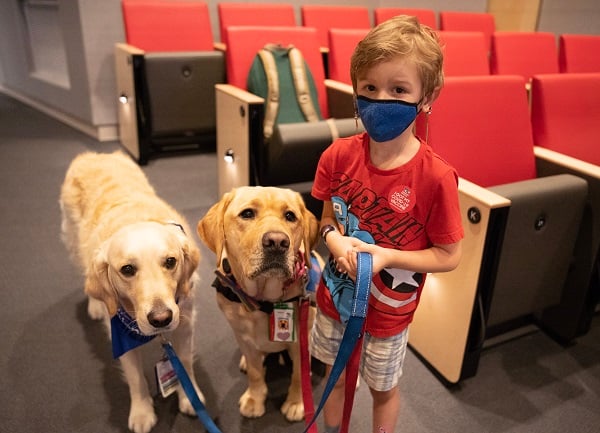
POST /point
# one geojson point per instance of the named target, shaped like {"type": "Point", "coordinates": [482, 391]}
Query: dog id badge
{"type": "Point", "coordinates": [166, 378]}
{"type": "Point", "coordinates": [281, 326]}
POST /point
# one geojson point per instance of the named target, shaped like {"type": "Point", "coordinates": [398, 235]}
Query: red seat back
{"type": "Point", "coordinates": [469, 22]}
{"type": "Point", "coordinates": [465, 53]}
{"type": "Point", "coordinates": [565, 114]}
{"type": "Point", "coordinates": [161, 25]}
{"type": "Point", "coordinates": [425, 16]}
{"type": "Point", "coordinates": [579, 53]}
{"type": "Point", "coordinates": [481, 126]}
{"type": "Point", "coordinates": [254, 14]}
{"type": "Point", "coordinates": [524, 53]}
{"type": "Point", "coordinates": [244, 42]}
{"type": "Point", "coordinates": [324, 18]}
{"type": "Point", "coordinates": [342, 43]}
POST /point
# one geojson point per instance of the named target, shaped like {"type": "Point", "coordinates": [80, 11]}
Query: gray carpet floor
{"type": "Point", "coordinates": [56, 370]}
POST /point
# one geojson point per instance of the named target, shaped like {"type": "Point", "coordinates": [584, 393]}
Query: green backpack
{"type": "Point", "coordinates": [278, 71]}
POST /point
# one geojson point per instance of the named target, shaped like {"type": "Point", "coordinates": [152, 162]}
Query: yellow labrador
{"type": "Point", "coordinates": [262, 237]}
{"type": "Point", "coordinates": [139, 262]}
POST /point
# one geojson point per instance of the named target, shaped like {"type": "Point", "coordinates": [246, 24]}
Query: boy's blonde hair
{"type": "Point", "coordinates": [401, 36]}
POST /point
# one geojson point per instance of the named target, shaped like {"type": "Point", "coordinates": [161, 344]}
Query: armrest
{"type": "Point", "coordinates": [239, 122]}
{"type": "Point", "coordinates": [220, 46]}
{"type": "Point", "coordinates": [340, 99]}
{"type": "Point", "coordinates": [126, 95]}
{"type": "Point", "coordinates": [568, 162]}
{"type": "Point", "coordinates": [441, 326]}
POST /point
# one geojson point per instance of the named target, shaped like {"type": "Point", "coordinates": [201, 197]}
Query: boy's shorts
{"type": "Point", "coordinates": [381, 359]}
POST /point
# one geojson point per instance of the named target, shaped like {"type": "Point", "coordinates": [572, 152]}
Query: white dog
{"type": "Point", "coordinates": [139, 262]}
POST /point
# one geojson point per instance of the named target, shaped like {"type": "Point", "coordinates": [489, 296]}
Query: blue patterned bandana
{"type": "Point", "coordinates": [126, 334]}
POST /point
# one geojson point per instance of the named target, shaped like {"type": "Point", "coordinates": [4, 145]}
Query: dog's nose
{"type": "Point", "coordinates": [275, 241]}
{"type": "Point", "coordinates": [160, 318]}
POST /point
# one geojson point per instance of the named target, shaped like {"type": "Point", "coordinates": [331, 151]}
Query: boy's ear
{"type": "Point", "coordinates": [428, 100]}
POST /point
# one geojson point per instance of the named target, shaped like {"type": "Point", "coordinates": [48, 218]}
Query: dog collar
{"type": "Point", "coordinates": [125, 333]}
{"type": "Point", "coordinates": [226, 285]}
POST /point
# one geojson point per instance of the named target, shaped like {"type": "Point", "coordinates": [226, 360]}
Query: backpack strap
{"type": "Point", "coordinates": [298, 69]}
{"type": "Point", "coordinates": [272, 107]}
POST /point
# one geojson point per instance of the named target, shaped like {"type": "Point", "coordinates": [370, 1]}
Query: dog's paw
{"type": "Point", "coordinates": [142, 417]}
{"type": "Point", "coordinates": [185, 406]}
{"type": "Point", "coordinates": [96, 309]}
{"type": "Point", "coordinates": [243, 364]}
{"type": "Point", "coordinates": [293, 410]}
{"type": "Point", "coordinates": [251, 406]}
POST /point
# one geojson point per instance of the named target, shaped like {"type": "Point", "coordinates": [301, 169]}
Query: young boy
{"type": "Point", "coordinates": [387, 193]}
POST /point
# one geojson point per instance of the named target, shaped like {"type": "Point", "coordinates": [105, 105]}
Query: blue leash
{"type": "Point", "coordinates": [189, 389]}
{"type": "Point", "coordinates": [354, 328]}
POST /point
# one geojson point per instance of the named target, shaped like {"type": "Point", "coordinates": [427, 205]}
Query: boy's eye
{"type": "Point", "coordinates": [399, 90]}
{"type": "Point", "coordinates": [370, 88]}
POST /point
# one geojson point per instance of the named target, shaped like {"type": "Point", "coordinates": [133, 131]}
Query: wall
{"type": "Point", "coordinates": [79, 87]}
{"type": "Point", "coordinates": [57, 57]}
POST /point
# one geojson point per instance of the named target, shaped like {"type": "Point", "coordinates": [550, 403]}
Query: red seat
{"type": "Point", "coordinates": [324, 18]}
{"type": "Point", "coordinates": [254, 14]}
{"type": "Point", "coordinates": [469, 22]}
{"type": "Point", "coordinates": [166, 74]}
{"type": "Point", "coordinates": [156, 25]}
{"type": "Point", "coordinates": [579, 53]}
{"type": "Point", "coordinates": [342, 43]}
{"type": "Point", "coordinates": [564, 117]}
{"type": "Point", "coordinates": [465, 53]}
{"type": "Point", "coordinates": [524, 53]}
{"type": "Point", "coordinates": [425, 16]}
{"type": "Point", "coordinates": [505, 151]}
{"type": "Point", "coordinates": [565, 114]}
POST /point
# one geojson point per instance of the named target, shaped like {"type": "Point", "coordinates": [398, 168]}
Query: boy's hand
{"type": "Point", "coordinates": [348, 262]}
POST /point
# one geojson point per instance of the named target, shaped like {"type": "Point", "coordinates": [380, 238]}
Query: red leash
{"type": "Point", "coordinates": [351, 374]}
{"type": "Point", "coordinates": [307, 397]}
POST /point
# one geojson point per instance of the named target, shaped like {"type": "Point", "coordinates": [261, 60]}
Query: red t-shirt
{"type": "Point", "coordinates": [410, 207]}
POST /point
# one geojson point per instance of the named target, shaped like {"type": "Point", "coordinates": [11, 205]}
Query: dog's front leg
{"type": "Point", "coordinates": [141, 414]}
{"type": "Point", "coordinates": [293, 407]}
{"type": "Point", "coordinates": [252, 402]}
{"type": "Point", "coordinates": [183, 343]}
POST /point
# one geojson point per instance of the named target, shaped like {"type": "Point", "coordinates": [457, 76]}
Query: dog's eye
{"type": "Point", "coordinates": [170, 262]}
{"type": "Point", "coordinates": [247, 214]}
{"type": "Point", "coordinates": [128, 270]}
{"type": "Point", "coordinates": [291, 216]}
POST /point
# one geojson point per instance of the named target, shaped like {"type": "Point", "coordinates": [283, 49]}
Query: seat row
{"type": "Point", "coordinates": [170, 42]}
{"type": "Point", "coordinates": [530, 196]}
{"type": "Point", "coordinates": [466, 53]}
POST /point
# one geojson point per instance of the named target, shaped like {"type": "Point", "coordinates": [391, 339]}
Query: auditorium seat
{"type": "Point", "coordinates": [166, 72]}
{"type": "Point", "coordinates": [564, 116]}
{"type": "Point", "coordinates": [579, 53]}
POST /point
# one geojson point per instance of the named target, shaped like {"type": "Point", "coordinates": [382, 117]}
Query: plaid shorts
{"type": "Point", "coordinates": [381, 359]}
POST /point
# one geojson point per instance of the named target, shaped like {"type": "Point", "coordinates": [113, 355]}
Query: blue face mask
{"type": "Point", "coordinates": [386, 119]}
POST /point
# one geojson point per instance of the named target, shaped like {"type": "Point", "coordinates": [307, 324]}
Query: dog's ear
{"type": "Point", "coordinates": [191, 260]}
{"type": "Point", "coordinates": [97, 284]}
{"type": "Point", "coordinates": [210, 227]}
{"type": "Point", "coordinates": [310, 228]}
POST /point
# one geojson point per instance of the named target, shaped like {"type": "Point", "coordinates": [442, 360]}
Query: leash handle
{"type": "Point", "coordinates": [189, 389]}
{"type": "Point", "coordinates": [352, 335]}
